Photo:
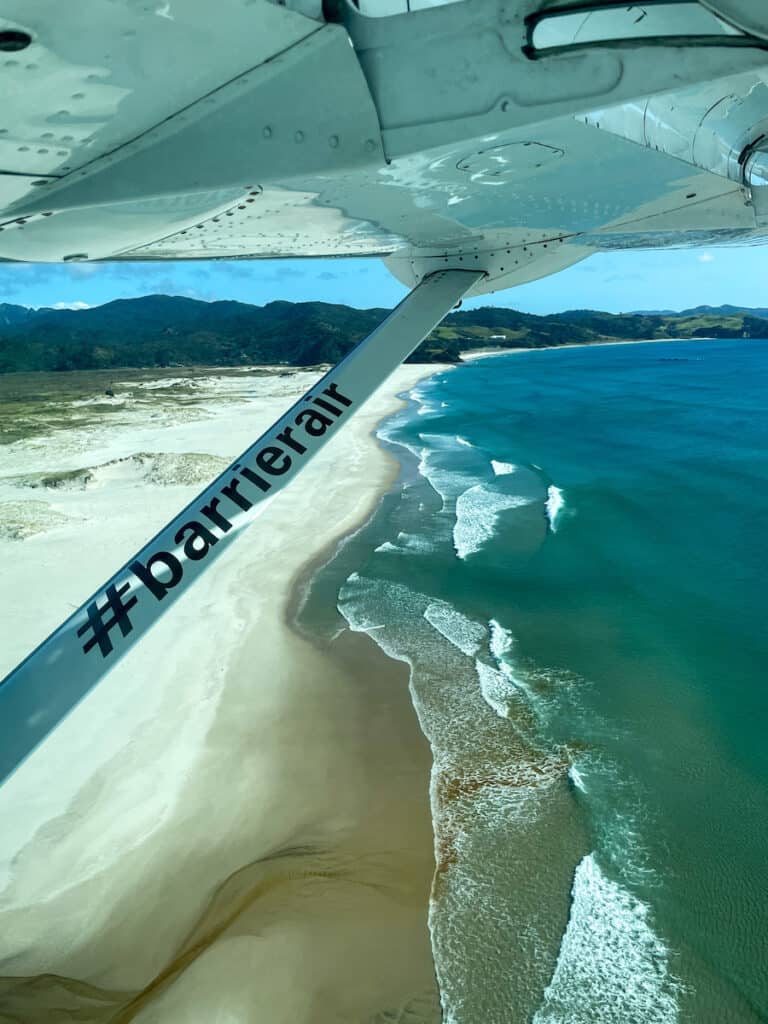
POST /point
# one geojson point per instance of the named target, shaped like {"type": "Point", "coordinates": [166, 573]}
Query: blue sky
{"type": "Point", "coordinates": [616, 282]}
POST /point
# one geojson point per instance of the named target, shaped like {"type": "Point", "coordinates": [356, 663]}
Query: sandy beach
{"type": "Point", "coordinates": [235, 824]}
{"type": "Point", "coordinates": [484, 353]}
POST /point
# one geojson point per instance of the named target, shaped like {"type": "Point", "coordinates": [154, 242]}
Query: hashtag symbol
{"type": "Point", "coordinates": [101, 625]}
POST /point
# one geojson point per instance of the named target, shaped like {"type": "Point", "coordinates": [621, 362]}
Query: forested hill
{"type": "Point", "coordinates": [166, 330]}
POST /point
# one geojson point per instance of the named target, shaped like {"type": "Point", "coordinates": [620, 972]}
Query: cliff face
{"type": "Point", "coordinates": [165, 330]}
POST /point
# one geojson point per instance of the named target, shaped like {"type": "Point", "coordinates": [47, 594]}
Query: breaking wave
{"type": "Point", "coordinates": [577, 778]}
{"type": "Point", "coordinates": [406, 543]}
{"type": "Point", "coordinates": [467, 636]}
{"type": "Point", "coordinates": [554, 506]}
{"type": "Point", "coordinates": [612, 966]}
{"type": "Point", "coordinates": [495, 688]}
{"type": "Point", "coordinates": [477, 514]}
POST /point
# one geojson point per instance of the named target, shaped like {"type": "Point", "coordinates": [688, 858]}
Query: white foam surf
{"type": "Point", "coordinates": [612, 967]}
{"type": "Point", "coordinates": [496, 689]}
{"type": "Point", "coordinates": [477, 514]}
{"type": "Point", "coordinates": [500, 646]}
{"type": "Point", "coordinates": [577, 778]}
{"type": "Point", "coordinates": [464, 441]}
{"type": "Point", "coordinates": [468, 636]}
{"type": "Point", "coordinates": [407, 543]}
{"type": "Point", "coordinates": [503, 468]}
{"type": "Point", "coordinates": [554, 506]}
{"type": "Point", "coordinates": [502, 641]}
{"type": "Point", "coordinates": [446, 482]}
{"type": "Point", "coordinates": [425, 406]}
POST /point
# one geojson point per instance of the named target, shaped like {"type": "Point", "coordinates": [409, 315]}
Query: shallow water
{"type": "Point", "coordinates": [573, 564]}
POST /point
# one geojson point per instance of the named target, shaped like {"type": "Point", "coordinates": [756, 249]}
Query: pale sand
{"type": "Point", "coordinates": [484, 353]}
{"type": "Point", "coordinates": [234, 818]}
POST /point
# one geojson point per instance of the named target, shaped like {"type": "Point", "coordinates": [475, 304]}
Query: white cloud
{"type": "Point", "coordinates": [71, 305]}
{"type": "Point", "coordinates": [706, 257]}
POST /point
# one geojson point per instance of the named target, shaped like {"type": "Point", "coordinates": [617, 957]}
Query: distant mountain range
{"type": "Point", "coordinates": [707, 311]}
{"type": "Point", "coordinates": [169, 330]}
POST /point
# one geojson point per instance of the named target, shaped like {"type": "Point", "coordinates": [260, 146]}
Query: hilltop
{"type": "Point", "coordinates": [170, 330]}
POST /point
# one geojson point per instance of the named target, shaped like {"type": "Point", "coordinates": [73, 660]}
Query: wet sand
{"type": "Point", "coordinates": [235, 824]}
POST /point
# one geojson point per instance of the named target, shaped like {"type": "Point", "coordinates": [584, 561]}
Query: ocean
{"type": "Point", "coordinates": [573, 563]}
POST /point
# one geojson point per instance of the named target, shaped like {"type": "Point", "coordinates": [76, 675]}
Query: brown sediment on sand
{"type": "Point", "coordinates": [236, 822]}
{"type": "Point", "coordinates": [453, 787]}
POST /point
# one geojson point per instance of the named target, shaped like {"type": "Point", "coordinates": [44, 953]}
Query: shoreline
{"type": "Point", "coordinates": [305, 574]}
{"type": "Point", "coordinates": [480, 773]}
{"type": "Point", "coordinates": [484, 353]}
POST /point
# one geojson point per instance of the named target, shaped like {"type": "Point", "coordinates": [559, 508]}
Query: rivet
{"type": "Point", "coordinates": [73, 257]}
{"type": "Point", "coordinates": [23, 149]}
{"type": "Point", "coordinates": [12, 40]}
{"type": "Point", "coordinates": [41, 181]}
{"type": "Point", "coordinates": [504, 106]}
{"type": "Point", "coordinates": [299, 136]}
{"type": "Point", "coordinates": [333, 142]}
{"type": "Point", "coordinates": [31, 67]}
{"type": "Point", "coordinates": [42, 151]}
{"type": "Point", "coordinates": [67, 138]}
{"type": "Point", "coordinates": [78, 95]}
{"type": "Point", "coordinates": [266, 131]}
{"type": "Point", "coordinates": [47, 135]}
{"type": "Point", "coordinates": [48, 213]}
{"type": "Point", "coordinates": [62, 113]}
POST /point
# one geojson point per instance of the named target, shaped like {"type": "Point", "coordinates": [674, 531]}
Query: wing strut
{"type": "Point", "coordinates": [45, 687]}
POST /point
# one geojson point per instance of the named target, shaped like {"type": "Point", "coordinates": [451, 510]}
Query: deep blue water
{"type": "Point", "coordinates": [574, 562]}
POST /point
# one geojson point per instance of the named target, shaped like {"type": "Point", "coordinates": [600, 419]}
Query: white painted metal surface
{"type": "Point", "coordinates": [429, 137]}
{"type": "Point", "coordinates": [99, 74]}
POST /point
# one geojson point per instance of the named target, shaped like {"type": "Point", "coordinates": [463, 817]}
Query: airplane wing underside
{"type": "Point", "coordinates": [511, 138]}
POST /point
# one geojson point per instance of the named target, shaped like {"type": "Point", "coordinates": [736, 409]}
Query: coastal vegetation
{"type": "Point", "coordinates": [167, 330]}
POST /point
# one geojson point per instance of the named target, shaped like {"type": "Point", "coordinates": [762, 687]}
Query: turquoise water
{"type": "Point", "coordinates": [574, 563]}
